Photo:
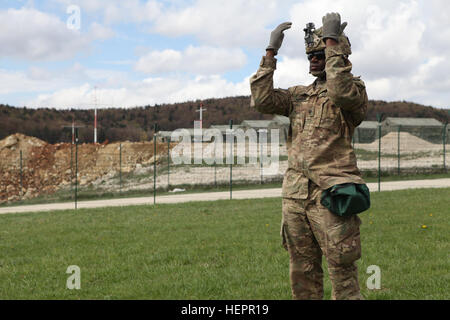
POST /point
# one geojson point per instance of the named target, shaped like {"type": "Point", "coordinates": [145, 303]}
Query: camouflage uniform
{"type": "Point", "coordinates": [323, 118]}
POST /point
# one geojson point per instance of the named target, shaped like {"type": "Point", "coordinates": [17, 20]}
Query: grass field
{"type": "Point", "coordinates": [215, 250]}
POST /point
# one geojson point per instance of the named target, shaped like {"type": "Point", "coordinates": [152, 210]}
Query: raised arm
{"type": "Point", "coordinates": [264, 97]}
{"type": "Point", "coordinates": [346, 91]}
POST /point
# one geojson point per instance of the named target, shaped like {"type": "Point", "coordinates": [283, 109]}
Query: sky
{"type": "Point", "coordinates": [111, 53]}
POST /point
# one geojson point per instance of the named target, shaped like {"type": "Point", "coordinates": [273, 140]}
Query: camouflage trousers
{"type": "Point", "coordinates": [309, 230]}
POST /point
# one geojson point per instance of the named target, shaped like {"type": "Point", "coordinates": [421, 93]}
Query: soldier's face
{"type": "Point", "coordinates": [316, 61]}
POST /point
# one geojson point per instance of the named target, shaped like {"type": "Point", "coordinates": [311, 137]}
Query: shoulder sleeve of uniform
{"type": "Point", "coordinates": [359, 82]}
{"type": "Point", "coordinates": [356, 115]}
{"type": "Point", "coordinates": [264, 97]}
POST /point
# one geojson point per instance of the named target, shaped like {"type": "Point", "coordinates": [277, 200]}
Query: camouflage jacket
{"type": "Point", "coordinates": [323, 117]}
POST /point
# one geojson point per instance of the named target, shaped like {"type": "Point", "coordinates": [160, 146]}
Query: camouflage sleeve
{"type": "Point", "coordinates": [343, 89]}
{"type": "Point", "coordinates": [264, 97]}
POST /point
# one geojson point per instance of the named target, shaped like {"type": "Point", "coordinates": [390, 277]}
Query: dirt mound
{"type": "Point", "coordinates": [11, 146]}
{"type": "Point", "coordinates": [408, 143]}
{"type": "Point", "coordinates": [45, 168]}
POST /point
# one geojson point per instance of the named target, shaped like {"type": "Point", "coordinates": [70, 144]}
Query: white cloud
{"type": "Point", "coordinates": [118, 11]}
{"type": "Point", "coordinates": [427, 84]}
{"type": "Point", "coordinates": [391, 45]}
{"type": "Point", "coordinates": [399, 48]}
{"type": "Point", "coordinates": [34, 35]}
{"type": "Point", "coordinates": [145, 92]}
{"type": "Point", "coordinates": [436, 15]}
{"type": "Point", "coordinates": [222, 23]}
{"type": "Point", "coordinates": [38, 80]}
{"type": "Point", "coordinates": [196, 60]}
{"type": "Point", "coordinates": [19, 81]}
{"type": "Point", "coordinates": [30, 34]}
{"type": "Point", "coordinates": [292, 72]}
{"type": "Point", "coordinates": [68, 98]}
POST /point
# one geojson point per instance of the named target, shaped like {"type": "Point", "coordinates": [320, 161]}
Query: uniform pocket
{"type": "Point", "coordinates": [299, 121]}
{"type": "Point", "coordinates": [297, 118]}
{"type": "Point", "coordinates": [330, 117]}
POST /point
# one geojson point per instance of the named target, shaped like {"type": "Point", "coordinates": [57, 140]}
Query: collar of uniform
{"type": "Point", "coordinates": [317, 87]}
{"type": "Point", "coordinates": [318, 83]}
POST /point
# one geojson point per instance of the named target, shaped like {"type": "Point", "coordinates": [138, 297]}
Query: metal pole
{"type": "Point", "coordinates": [232, 159]}
{"type": "Point", "coordinates": [444, 140]}
{"type": "Point", "coordinates": [168, 164]}
{"type": "Point", "coordinates": [379, 117]}
{"type": "Point", "coordinates": [379, 156]}
{"type": "Point", "coordinates": [260, 161]}
{"type": "Point", "coordinates": [120, 168]}
{"type": "Point", "coordinates": [398, 151]}
{"type": "Point", "coordinates": [21, 176]}
{"type": "Point", "coordinates": [76, 167]}
{"type": "Point", "coordinates": [215, 167]}
{"type": "Point", "coordinates": [154, 163]}
{"type": "Point", "coordinates": [71, 167]}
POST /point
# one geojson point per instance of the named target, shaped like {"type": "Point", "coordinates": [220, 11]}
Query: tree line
{"type": "Point", "coordinates": [136, 124]}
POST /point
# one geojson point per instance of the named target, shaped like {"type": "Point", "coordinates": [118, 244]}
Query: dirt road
{"type": "Point", "coordinates": [212, 196]}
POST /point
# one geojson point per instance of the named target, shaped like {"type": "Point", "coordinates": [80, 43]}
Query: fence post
{"type": "Point", "coordinates": [260, 158]}
{"type": "Point", "coordinates": [215, 168]}
{"type": "Point", "coordinates": [71, 167]}
{"type": "Point", "coordinates": [168, 163]}
{"type": "Point", "coordinates": [444, 140]}
{"type": "Point", "coordinates": [76, 167]}
{"type": "Point", "coordinates": [120, 168]}
{"type": "Point", "coordinates": [154, 163]}
{"type": "Point", "coordinates": [231, 158]}
{"type": "Point", "coordinates": [21, 176]}
{"type": "Point", "coordinates": [379, 156]}
{"type": "Point", "coordinates": [215, 161]}
{"type": "Point", "coordinates": [379, 117]}
{"type": "Point", "coordinates": [398, 151]}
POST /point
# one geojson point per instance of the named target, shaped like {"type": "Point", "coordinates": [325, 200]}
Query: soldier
{"type": "Point", "coordinates": [323, 117]}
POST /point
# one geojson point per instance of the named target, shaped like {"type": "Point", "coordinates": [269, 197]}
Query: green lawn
{"type": "Point", "coordinates": [214, 250]}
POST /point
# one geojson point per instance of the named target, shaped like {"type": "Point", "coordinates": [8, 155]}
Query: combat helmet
{"type": "Point", "coordinates": [314, 41]}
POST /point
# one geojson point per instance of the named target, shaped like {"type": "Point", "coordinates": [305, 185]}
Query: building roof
{"type": "Point", "coordinates": [415, 122]}
{"type": "Point", "coordinates": [368, 125]}
{"type": "Point", "coordinates": [163, 133]}
{"type": "Point", "coordinates": [258, 124]}
{"type": "Point", "coordinates": [282, 120]}
{"type": "Point", "coordinates": [224, 127]}
{"type": "Point", "coordinates": [168, 134]}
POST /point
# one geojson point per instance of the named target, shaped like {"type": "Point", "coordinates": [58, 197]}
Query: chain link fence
{"type": "Point", "coordinates": [71, 172]}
